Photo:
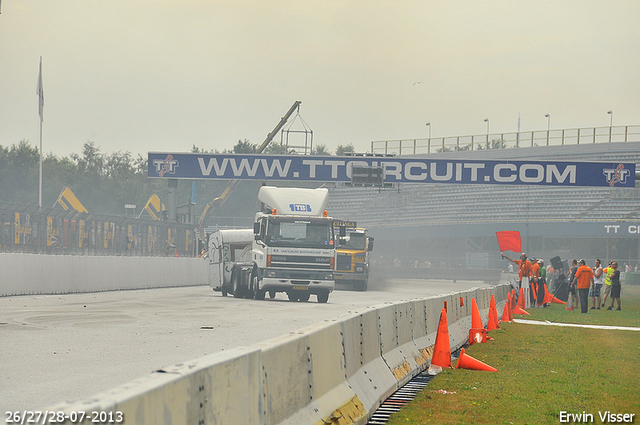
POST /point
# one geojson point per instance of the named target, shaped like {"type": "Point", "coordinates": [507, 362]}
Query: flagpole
{"type": "Point", "coordinates": [40, 192]}
{"type": "Point", "coordinates": [40, 93]}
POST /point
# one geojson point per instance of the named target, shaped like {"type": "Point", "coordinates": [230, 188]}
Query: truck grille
{"type": "Point", "coordinates": [344, 262]}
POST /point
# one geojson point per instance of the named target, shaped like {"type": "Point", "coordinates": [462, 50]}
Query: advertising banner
{"type": "Point", "coordinates": [396, 169]}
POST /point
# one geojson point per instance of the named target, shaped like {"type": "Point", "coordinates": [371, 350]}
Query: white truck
{"type": "Point", "coordinates": [292, 249]}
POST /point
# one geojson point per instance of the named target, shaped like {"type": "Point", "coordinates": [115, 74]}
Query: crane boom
{"type": "Point", "coordinates": [220, 200]}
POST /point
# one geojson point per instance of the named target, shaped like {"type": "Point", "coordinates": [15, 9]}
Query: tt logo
{"type": "Point", "coordinates": [617, 175]}
{"type": "Point", "coordinates": [167, 165]}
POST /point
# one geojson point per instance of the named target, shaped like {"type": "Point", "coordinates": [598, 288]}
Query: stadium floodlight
{"type": "Point", "coordinates": [487, 121]}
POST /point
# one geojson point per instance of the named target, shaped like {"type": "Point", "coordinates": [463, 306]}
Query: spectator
{"type": "Point", "coordinates": [535, 280]}
{"type": "Point", "coordinates": [598, 275]}
{"type": "Point", "coordinates": [524, 269]}
{"type": "Point", "coordinates": [584, 280]}
{"type": "Point", "coordinates": [607, 282]}
{"type": "Point", "coordinates": [615, 286]}
{"type": "Point", "coordinates": [573, 300]}
{"type": "Point", "coordinates": [541, 281]}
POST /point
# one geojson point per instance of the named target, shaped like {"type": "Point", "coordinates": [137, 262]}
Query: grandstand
{"type": "Point", "coordinates": [408, 219]}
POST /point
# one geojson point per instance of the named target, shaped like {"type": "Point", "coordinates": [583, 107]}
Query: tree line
{"type": "Point", "coordinates": [104, 183]}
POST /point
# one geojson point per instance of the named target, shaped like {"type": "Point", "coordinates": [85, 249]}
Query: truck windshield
{"type": "Point", "coordinates": [299, 233]}
{"type": "Point", "coordinates": [354, 241]}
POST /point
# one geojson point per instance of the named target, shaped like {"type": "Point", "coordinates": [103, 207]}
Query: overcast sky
{"type": "Point", "coordinates": [164, 75]}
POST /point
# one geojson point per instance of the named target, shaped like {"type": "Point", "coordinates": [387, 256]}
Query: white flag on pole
{"type": "Point", "coordinates": [40, 93]}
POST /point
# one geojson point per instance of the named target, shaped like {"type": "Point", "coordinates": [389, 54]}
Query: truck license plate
{"type": "Point", "coordinates": [301, 288]}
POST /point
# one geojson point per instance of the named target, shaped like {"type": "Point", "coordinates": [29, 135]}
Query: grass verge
{"type": "Point", "coordinates": [542, 371]}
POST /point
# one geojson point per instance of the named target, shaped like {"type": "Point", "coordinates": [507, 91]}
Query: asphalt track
{"type": "Point", "coordinates": [56, 348]}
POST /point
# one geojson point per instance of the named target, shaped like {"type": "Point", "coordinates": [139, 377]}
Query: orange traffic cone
{"type": "Point", "coordinates": [175, 252]}
{"type": "Point", "coordinates": [569, 302]}
{"type": "Point", "coordinates": [442, 347]}
{"type": "Point", "coordinates": [556, 300]}
{"type": "Point", "coordinates": [521, 299]}
{"type": "Point", "coordinates": [467, 362]}
{"type": "Point", "coordinates": [476, 319]}
{"type": "Point", "coordinates": [519, 310]}
{"type": "Point", "coordinates": [492, 319]}
{"type": "Point", "coordinates": [505, 312]}
{"type": "Point", "coordinates": [461, 302]}
{"type": "Point", "coordinates": [513, 305]}
{"type": "Point", "coordinates": [495, 312]}
{"type": "Point", "coordinates": [477, 333]}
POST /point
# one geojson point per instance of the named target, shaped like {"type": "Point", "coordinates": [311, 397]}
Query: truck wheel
{"type": "Point", "coordinates": [304, 297]}
{"type": "Point", "coordinates": [235, 281]}
{"type": "Point", "coordinates": [323, 297]}
{"type": "Point", "coordinates": [360, 285]}
{"type": "Point", "coordinates": [292, 296]}
{"type": "Point", "coordinates": [246, 277]}
{"type": "Point", "coordinates": [258, 294]}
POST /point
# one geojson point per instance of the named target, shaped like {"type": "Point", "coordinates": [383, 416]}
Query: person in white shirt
{"type": "Point", "coordinates": [598, 280]}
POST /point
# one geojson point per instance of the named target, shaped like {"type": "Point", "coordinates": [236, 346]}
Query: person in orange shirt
{"type": "Point", "coordinates": [525, 269]}
{"type": "Point", "coordinates": [584, 279]}
{"type": "Point", "coordinates": [535, 280]}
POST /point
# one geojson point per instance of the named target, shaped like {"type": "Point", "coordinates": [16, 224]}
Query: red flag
{"type": "Point", "coordinates": [509, 241]}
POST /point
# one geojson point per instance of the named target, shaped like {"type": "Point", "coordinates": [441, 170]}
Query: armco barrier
{"type": "Point", "coordinates": [24, 274]}
{"type": "Point", "coordinates": [338, 371]}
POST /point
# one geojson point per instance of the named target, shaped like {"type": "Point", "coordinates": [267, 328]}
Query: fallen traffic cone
{"type": "Point", "coordinates": [495, 312]}
{"type": "Point", "coordinates": [442, 347]}
{"type": "Point", "coordinates": [519, 310]}
{"type": "Point", "coordinates": [556, 300]}
{"type": "Point", "coordinates": [465, 361]}
{"type": "Point", "coordinates": [547, 296]}
{"type": "Point", "coordinates": [477, 335]}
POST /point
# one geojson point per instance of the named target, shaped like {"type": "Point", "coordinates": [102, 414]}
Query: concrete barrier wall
{"type": "Point", "coordinates": [337, 371]}
{"type": "Point", "coordinates": [489, 275]}
{"type": "Point", "coordinates": [24, 274]}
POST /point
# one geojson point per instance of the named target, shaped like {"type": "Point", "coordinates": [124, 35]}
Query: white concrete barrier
{"type": "Point", "coordinates": [24, 274]}
{"type": "Point", "coordinates": [337, 371]}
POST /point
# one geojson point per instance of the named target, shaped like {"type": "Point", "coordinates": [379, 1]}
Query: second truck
{"type": "Point", "coordinates": [352, 256]}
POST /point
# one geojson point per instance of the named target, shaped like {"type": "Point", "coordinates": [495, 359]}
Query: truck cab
{"type": "Point", "coordinates": [352, 255]}
{"type": "Point", "coordinates": [293, 247]}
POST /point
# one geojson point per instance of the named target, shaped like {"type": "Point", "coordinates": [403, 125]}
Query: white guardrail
{"type": "Point", "coordinates": [336, 372]}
